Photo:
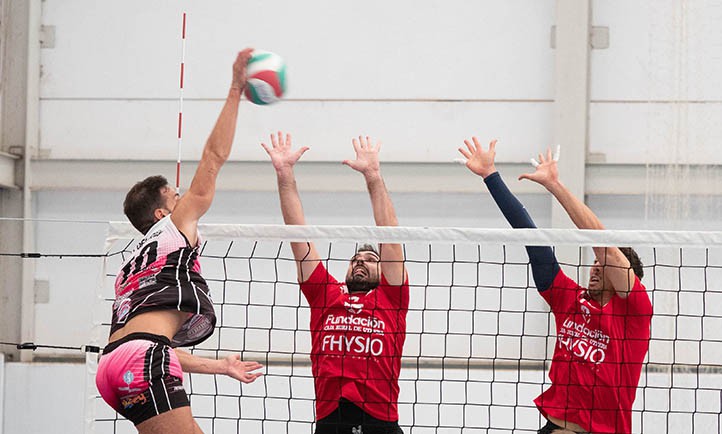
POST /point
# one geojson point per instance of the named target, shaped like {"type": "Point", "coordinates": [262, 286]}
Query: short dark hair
{"type": "Point", "coordinates": [634, 261]}
{"type": "Point", "coordinates": [142, 200]}
{"type": "Point", "coordinates": [367, 248]}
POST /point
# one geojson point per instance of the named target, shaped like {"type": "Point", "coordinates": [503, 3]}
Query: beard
{"type": "Point", "coordinates": [360, 284]}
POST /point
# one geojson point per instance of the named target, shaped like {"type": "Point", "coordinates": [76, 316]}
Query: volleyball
{"type": "Point", "coordinates": [266, 78]}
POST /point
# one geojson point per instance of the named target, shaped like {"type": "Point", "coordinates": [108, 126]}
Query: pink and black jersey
{"type": "Point", "coordinates": [163, 272]}
{"type": "Point", "coordinates": [598, 356]}
{"type": "Point", "coordinates": [357, 342]}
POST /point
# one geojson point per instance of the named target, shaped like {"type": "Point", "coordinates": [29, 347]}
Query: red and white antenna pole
{"type": "Point", "coordinates": [180, 108]}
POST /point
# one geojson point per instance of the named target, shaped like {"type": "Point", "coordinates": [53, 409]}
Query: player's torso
{"type": "Point", "coordinates": [591, 338]}
{"type": "Point", "coordinates": [163, 249]}
{"type": "Point", "coordinates": [358, 332]}
{"type": "Point", "coordinates": [163, 272]}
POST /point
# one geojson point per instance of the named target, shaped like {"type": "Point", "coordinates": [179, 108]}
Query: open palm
{"type": "Point", "coordinates": [367, 156]}
{"type": "Point", "coordinates": [546, 171]}
{"type": "Point", "coordinates": [281, 153]}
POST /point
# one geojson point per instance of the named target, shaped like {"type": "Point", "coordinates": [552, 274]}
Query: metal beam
{"type": "Point", "coordinates": [600, 178]}
{"type": "Point", "coordinates": [571, 102]}
{"type": "Point", "coordinates": [7, 170]}
{"type": "Point", "coordinates": [571, 105]}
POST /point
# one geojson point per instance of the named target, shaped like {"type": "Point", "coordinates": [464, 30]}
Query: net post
{"type": "Point", "coordinates": [91, 368]}
{"type": "Point", "coordinates": [2, 391]}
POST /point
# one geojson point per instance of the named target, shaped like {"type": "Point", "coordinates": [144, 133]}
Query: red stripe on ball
{"type": "Point", "coordinates": [270, 77]}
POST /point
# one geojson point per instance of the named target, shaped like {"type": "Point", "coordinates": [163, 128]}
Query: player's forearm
{"type": "Point", "coordinates": [218, 146]}
{"type": "Point", "coordinates": [542, 259]}
{"type": "Point", "coordinates": [200, 365]}
{"type": "Point", "coordinates": [291, 207]}
{"type": "Point", "coordinates": [582, 216]}
{"type": "Point", "coordinates": [383, 208]}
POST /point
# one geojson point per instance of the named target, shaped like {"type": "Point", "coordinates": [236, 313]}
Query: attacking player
{"type": "Point", "coordinates": [358, 327]}
{"type": "Point", "coordinates": [603, 330]}
{"type": "Point", "coordinates": [162, 301]}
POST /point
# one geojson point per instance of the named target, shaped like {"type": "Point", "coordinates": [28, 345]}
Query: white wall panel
{"type": "Point", "coordinates": [658, 50]}
{"type": "Point", "coordinates": [657, 133]}
{"type": "Point", "coordinates": [44, 398]}
{"type": "Point", "coordinates": [450, 49]}
{"type": "Point", "coordinates": [411, 131]}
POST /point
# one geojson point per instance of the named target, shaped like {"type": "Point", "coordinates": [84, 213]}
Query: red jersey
{"type": "Point", "coordinates": [356, 344]}
{"type": "Point", "coordinates": [598, 356]}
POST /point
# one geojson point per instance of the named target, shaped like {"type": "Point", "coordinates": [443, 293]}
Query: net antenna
{"type": "Point", "coordinates": [180, 104]}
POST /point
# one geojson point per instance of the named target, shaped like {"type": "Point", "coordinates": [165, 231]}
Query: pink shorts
{"type": "Point", "coordinates": [140, 376]}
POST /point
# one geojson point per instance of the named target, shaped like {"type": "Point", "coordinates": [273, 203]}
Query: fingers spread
{"type": "Point", "coordinates": [469, 146]}
{"type": "Point", "coordinates": [492, 145]}
{"type": "Point", "coordinates": [465, 153]}
{"type": "Point", "coordinates": [477, 145]}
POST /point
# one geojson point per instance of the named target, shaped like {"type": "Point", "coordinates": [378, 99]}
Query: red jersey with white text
{"type": "Point", "coordinates": [598, 356]}
{"type": "Point", "coordinates": [163, 272]}
{"type": "Point", "coordinates": [357, 340]}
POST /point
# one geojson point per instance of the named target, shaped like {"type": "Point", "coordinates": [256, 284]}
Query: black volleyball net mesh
{"type": "Point", "coordinates": [479, 337]}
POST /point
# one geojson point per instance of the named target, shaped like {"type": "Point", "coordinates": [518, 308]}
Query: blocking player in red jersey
{"type": "Point", "coordinates": [162, 301]}
{"type": "Point", "coordinates": [358, 326]}
{"type": "Point", "coordinates": [603, 330]}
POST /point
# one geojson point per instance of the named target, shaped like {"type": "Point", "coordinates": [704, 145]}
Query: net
{"type": "Point", "coordinates": [479, 338]}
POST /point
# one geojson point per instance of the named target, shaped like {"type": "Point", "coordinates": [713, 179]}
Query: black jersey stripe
{"type": "Point", "coordinates": [195, 289]}
{"type": "Point", "coordinates": [150, 367]}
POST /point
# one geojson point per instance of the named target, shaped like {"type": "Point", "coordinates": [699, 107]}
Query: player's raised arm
{"type": "Point", "coordinates": [284, 158]}
{"type": "Point", "coordinates": [481, 162]}
{"type": "Point", "coordinates": [196, 201]}
{"type": "Point", "coordinates": [616, 267]}
{"type": "Point", "coordinates": [367, 163]}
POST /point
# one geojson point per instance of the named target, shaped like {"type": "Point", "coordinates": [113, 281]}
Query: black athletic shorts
{"type": "Point", "coordinates": [350, 419]}
{"type": "Point", "coordinates": [550, 427]}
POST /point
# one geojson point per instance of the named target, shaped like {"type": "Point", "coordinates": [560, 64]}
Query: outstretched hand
{"type": "Point", "coordinates": [546, 172]}
{"type": "Point", "coordinates": [282, 156]}
{"type": "Point", "coordinates": [478, 160]}
{"type": "Point", "coordinates": [239, 68]}
{"type": "Point", "coordinates": [240, 370]}
{"type": "Point", "coordinates": [367, 156]}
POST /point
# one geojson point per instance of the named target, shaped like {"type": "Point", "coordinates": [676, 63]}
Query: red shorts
{"type": "Point", "coordinates": [140, 376]}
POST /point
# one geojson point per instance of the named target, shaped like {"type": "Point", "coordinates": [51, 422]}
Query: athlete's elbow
{"type": "Point", "coordinates": [216, 156]}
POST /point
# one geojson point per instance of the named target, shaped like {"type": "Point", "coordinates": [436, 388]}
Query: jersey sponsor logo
{"type": "Point", "coordinates": [368, 324]}
{"type": "Point", "coordinates": [146, 281]}
{"type": "Point", "coordinates": [370, 343]}
{"type": "Point", "coordinates": [353, 345]}
{"type": "Point", "coordinates": [128, 377]}
{"type": "Point", "coordinates": [198, 326]}
{"type": "Point", "coordinates": [586, 314]}
{"type": "Point", "coordinates": [122, 307]}
{"type": "Point", "coordinates": [133, 400]}
{"type": "Point", "coordinates": [353, 305]}
{"type": "Point", "coordinates": [583, 342]}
